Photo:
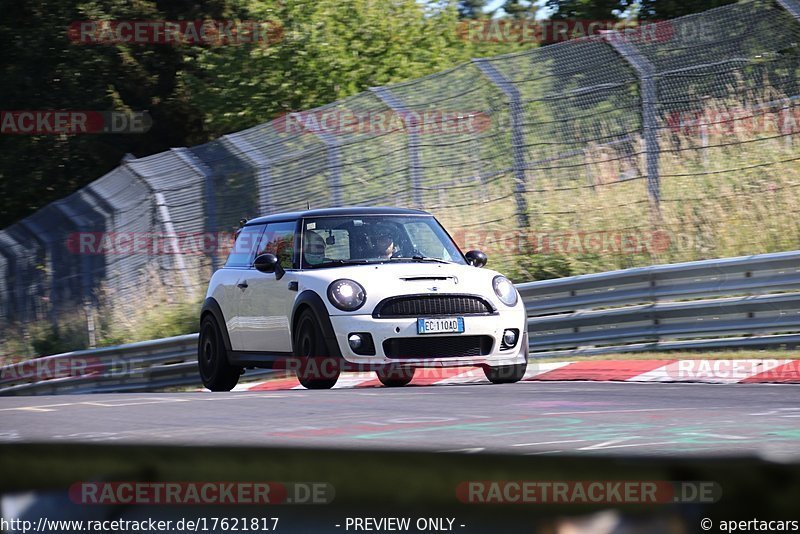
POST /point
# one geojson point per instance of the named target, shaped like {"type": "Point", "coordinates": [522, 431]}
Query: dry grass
{"type": "Point", "coordinates": [739, 195]}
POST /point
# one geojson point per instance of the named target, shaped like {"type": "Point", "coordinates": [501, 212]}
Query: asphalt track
{"type": "Point", "coordinates": [527, 418]}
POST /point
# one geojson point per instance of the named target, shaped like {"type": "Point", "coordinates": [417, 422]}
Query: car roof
{"type": "Point", "coordinates": [332, 212]}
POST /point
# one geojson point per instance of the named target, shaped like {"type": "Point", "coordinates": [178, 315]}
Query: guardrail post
{"type": "Point", "coordinates": [517, 136]}
{"type": "Point", "coordinates": [188, 157]}
{"type": "Point", "coordinates": [646, 72]}
{"type": "Point", "coordinates": [414, 167]}
{"type": "Point", "coordinates": [262, 165]}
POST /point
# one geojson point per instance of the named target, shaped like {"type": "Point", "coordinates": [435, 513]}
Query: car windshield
{"type": "Point", "coordinates": [362, 239]}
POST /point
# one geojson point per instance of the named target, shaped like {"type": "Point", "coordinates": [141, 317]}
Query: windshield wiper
{"type": "Point", "coordinates": [419, 257]}
{"type": "Point", "coordinates": [340, 262]}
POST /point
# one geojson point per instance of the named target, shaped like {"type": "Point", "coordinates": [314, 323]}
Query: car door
{"type": "Point", "coordinates": [240, 262]}
{"type": "Point", "coordinates": [267, 303]}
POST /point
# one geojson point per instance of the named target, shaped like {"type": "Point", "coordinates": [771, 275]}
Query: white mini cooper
{"type": "Point", "coordinates": [378, 289]}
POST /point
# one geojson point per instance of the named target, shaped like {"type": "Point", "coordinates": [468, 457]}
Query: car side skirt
{"type": "Point", "coordinates": [276, 360]}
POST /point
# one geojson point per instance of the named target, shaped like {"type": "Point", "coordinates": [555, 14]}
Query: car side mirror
{"type": "Point", "coordinates": [476, 258]}
{"type": "Point", "coordinates": [268, 263]}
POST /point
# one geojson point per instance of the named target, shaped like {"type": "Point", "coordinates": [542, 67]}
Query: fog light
{"type": "Point", "coordinates": [355, 341]}
{"type": "Point", "coordinates": [510, 337]}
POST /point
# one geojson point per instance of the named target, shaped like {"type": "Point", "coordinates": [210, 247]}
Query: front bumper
{"type": "Point", "coordinates": [383, 329]}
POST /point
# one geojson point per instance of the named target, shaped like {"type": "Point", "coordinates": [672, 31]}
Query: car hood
{"type": "Point", "coordinates": [391, 279]}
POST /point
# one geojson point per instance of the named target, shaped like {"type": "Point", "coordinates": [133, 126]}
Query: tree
{"type": "Point", "coordinates": [44, 70]}
{"type": "Point", "coordinates": [328, 50]}
{"type": "Point", "coordinates": [470, 9]}
{"type": "Point", "coordinates": [520, 9]}
{"type": "Point", "coordinates": [669, 9]}
{"type": "Point", "coordinates": [585, 9]}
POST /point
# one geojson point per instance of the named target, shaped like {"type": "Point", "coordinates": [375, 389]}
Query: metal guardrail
{"type": "Point", "coordinates": [748, 301]}
{"type": "Point", "coordinates": [144, 366]}
{"type": "Point", "coordinates": [744, 302]}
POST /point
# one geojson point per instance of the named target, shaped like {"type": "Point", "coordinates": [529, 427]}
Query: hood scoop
{"type": "Point", "coordinates": [428, 278]}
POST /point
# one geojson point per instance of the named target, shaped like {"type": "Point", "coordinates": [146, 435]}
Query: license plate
{"type": "Point", "coordinates": [440, 326]}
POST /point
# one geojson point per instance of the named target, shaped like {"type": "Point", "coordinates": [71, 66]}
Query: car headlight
{"type": "Point", "coordinates": [505, 290]}
{"type": "Point", "coordinates": [347, 295]}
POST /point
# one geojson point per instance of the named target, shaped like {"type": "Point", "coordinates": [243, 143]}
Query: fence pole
{"type": "Point", "coordinates": [517, 136]}
{"type": "Point", "coordinates": [792, 6]}
{"type": "Point", "coordinates": [45, 241]}
{"type": "Point", "coordinates": [334, 165]}
{"type": "Point", "coordinates": [188, 157]}
{"type": "Point", "coordinates": [10, 299]}
{"type": "Point", "coordinates": [172, 238]}
{"type": "Point", "coordinates": [787, 122]}
{"type": "Point", "coordinates": [414, 167]}
{"type": "Point", "coordinates": [647, 82]}
{"type": "Point", "coordinates": [262, 166]}
{"type": "Point", "coordinates": [85, 268]}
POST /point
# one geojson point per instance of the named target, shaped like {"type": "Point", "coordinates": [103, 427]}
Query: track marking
{"type": "Point", "coordinates": [135, 402]}
{"type": "Point", "coordinates": [776, 411]}
{"type": "Point", "coordinates": [144, 400]}
{"type": "Point", "coordinates": [28, 409]}
{"type": "Point", "coordinates": [11, 435]}
{"type": "Point", "coordinates": [629, 411]}
{"type": "Point", "coordinates": [548, 442]}
{"type": "Point", "coordinates": [608, 444]}
{"type": "Point", "coordinates": [710, 435]}
{"type": "Point", "coordinates": [632, 445]}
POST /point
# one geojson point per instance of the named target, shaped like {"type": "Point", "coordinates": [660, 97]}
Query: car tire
{"type": "Point", "coordinates": [393, 376]}
{"type": "Point", "coordinates": [505, 374]}
{"type": "Point", "coordinates": [316, 368]}
{"type": "Point", "coordinates": [212, 358]}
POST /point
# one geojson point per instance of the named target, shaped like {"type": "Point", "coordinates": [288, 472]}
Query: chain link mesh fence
{"type": "Point", "coordinates": [674, 143]}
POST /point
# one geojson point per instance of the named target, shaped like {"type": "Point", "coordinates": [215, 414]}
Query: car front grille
{"type": "Point", "coordinates": [432, 305]}
{"type": "Point", "coordinates": [437, 347]}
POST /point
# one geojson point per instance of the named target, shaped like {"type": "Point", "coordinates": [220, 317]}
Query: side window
{"type": "Point", "coordinates": [278, 239]}
{"type": "Point", "coordinates": [244, 249]}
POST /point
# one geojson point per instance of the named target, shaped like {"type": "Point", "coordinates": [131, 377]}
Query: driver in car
{"type": "Point", "coordinates": [384, 246]}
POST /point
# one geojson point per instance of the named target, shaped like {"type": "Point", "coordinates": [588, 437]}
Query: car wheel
{"type": "Point", "coordinates": [212, 358]}
{"type": "Point", "coordinates": [505, 374]}
{"type": "Point", "coordinates": [393, 376]}
{"type": "Point", "coordinates": [316, 368]}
